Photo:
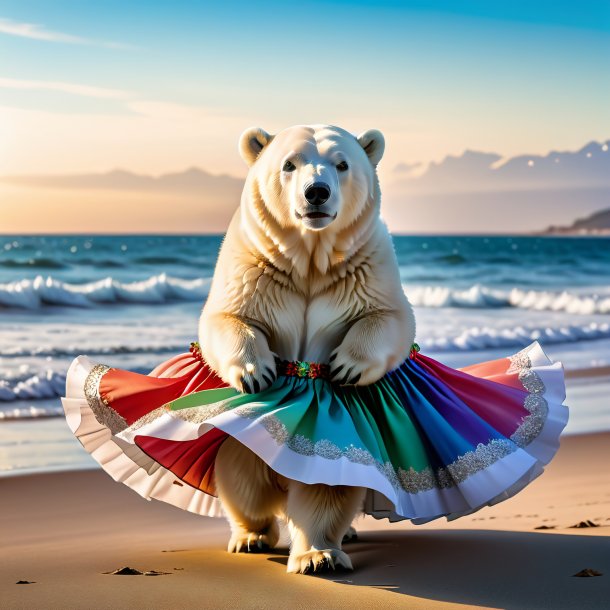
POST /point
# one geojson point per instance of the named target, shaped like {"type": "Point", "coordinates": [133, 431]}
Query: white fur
{"type": "Point", "coordinates": [301, 287]}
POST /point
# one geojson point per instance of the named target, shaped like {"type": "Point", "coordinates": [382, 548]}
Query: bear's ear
{"type": "Point", "coordinates": [252, 142]}
{"type": "Point", "coordinates": [373, 143]}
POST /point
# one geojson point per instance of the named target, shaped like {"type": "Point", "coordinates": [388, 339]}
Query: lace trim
{"type": "Point", "coordinates": [198, 415]}
{"type": "Point", "coordinates": [148, 418]}
{"type": "Point", "coordinates": [535, 403]}
{"type": "Point", "coordinates": [411, 481]}
{"type": "Point", "coordinates": [519, 361]}
{"type": "Point", "coordinates": [414, 481]}
{"type": "Point", "coordinates": [102, 411]}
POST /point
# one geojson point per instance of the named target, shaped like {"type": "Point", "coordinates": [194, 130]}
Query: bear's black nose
{"type": "Point", "coordinates": [317, 193]}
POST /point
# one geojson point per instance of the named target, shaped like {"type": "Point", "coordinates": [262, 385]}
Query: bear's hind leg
{"type": "Point", "coordinates": [318, 517]}
{"type": "Point", "coordinates": [251, 496]}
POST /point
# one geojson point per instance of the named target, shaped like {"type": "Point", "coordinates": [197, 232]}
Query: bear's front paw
{"type": "Point", "coordinates": [347, 369]}
{"type": "Point", "coordinates": [252, 374]}
{"type": "Point", "coordinates": [251, 378]}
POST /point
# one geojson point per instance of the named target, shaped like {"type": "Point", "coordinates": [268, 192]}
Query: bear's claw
{"type": "Point", "coordinates": [351, 535]}
{"type": "Point", "coordinates": [318, 561]}
{"type": "Point", "coordinates": [250, 542]}
{"type": "Point", "coordinates": [348, 371]}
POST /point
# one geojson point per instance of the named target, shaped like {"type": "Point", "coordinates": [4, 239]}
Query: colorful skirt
{"type": "Point", "coordinates": [425, 441]}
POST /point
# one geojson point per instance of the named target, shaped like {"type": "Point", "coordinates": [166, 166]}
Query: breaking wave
{"type": "Point", "coordinates": [486, 337]}
{"type": "Point", "coordinates": [158, 289]}
{"type": "Point", "coordinates": [479, 296]}
{"type": "Point", "coordinates": [51, 384]}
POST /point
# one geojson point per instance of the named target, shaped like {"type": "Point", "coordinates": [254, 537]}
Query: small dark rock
{"type": "Point", "coordinates": [155, 573]}
{"type": "Point", "coordinates": [587, 572]}
{"type": "Point", "coordinates": [545, 527]}
{"type": "Point", "coordinates": [126, 571]}
{"type": "Point", "coordinates": [25, 582]}
{"type": "Point", "coordinates": [587, 523]}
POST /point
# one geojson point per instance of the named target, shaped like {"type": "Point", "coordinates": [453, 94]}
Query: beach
{"type": "Point", "coordinates": [132, 302]}
{"type": "Point", "coordinates": [63, 531]}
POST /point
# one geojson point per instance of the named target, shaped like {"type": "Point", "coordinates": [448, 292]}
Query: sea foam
{"type": "Point", "coordinates": [478, 296]}
{"type": "Point", "coordinates": [160, 289]}
{"type": "Point", "coordinates": [41, 291]}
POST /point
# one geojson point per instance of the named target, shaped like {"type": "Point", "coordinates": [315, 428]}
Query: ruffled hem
{"type": "Point", "coordinates": [488, 474]}
{"type": "Point", "coordinates": [125, 462]}
{"type": "Point", "coordinates": [502, 480]}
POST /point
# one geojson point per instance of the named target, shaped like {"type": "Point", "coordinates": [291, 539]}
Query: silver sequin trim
{"type": "Point", "coordinates": [301, 444]}
{"type": "Point", "coordinates": [327, 449]}
{"type": "Point", "coordinates": [198, 415]}
{"type": "Point", "coordinates": [359, 456]}
{"type": "Point", "coordinates": [414, 481]}
{"type": "Point", "coordinates": [532, 424]}
{"type": "Point", "coordinates": [148, 418]}
{"type": "Point", "coordinates": [531, 381]}
{"type": "Point", "coordinates": [482, 457]}
{"type": "Point", "coordinates": [102, 411]}
{"type": "Point", "coordinates": [411, 481]}
{"type": "Point", "coordinates": [519, 361]}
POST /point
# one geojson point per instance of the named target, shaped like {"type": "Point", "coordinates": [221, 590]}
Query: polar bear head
{"type": "Point", "coordinates": [315, 178]}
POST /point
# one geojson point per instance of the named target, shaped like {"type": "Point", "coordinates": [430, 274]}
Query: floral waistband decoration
{"type": "Point", "coordinates": [312, 370]}
{"type": "Point", "coordinates": [297, 368]}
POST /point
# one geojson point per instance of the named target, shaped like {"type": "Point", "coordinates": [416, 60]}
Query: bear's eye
{"type": "Point", "coordinates": [289, 166]}
{"type": "Point", "coordinates": [342, 167]}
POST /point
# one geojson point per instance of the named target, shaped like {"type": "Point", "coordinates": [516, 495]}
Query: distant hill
{"type": "Point", "coordinates": [474, 171]}
{"type": "Point", "coordinates": [472, 192]}
{"type": "Point", "coordinates": [192, 181]}
{"type": "Point", "coordinates": [595, 224]}
{"type": "Point", "coordinates": [479, 189]}
{"type": "Point", "coordinates": [189, 201]}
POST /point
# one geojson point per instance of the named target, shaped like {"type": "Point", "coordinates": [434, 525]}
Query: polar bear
{"type": "Point", "coordinates": [307, 271]}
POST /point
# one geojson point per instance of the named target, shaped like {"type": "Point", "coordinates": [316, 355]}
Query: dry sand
{"type": "Point", "coordinates": [65, 530]}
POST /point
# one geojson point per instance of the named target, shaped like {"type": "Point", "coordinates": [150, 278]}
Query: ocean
{"type": "Point", "coordinates": [132, 301]}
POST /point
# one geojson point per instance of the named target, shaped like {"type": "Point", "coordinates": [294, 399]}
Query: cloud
{"type": "Point", "coordinates": [175, 112]}
{"type": "Point", "coordinates": [39, 32]}
{"type": "Point", "coordinates": [72, 88]}
{"type": "Point", "coordinates": [166, 138]}
{"type": "Point", "coordinates": [406, 168]}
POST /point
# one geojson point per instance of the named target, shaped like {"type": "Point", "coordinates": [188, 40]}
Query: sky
{"type": "Point", "coordinates": [155, 86]}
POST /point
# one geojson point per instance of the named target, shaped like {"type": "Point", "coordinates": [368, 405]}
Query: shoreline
{"type": "Point", "coordinates": [590, 372]}
{"type": "Point", "coordinates": [64, 530]}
